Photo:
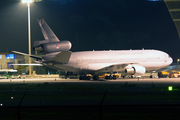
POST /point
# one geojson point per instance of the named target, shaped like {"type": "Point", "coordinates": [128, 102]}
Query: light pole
{"type": "Point", "coordinates": [177, 62]}
{"type": "Point", "coordinates": [29, 30]}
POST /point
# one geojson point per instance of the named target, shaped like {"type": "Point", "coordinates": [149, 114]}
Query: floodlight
{"type": "Point", "coordinates": [27, 1]}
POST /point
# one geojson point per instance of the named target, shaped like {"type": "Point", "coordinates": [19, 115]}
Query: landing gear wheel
{"type": "Point", "coordinates": [114, 77]}
{"type": "Point", "coordinates": [107, 77]}
{"type": "Point", "coordinates": [80, 77]}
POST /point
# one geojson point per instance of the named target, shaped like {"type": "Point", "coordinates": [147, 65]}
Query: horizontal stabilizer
{"type": "Point", "coordinates": [62, 57]}
{"type": "Point", "coordinates": [32, 56]}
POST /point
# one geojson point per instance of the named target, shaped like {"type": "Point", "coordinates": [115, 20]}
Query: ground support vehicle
{"type": "Point", "coordinates": [163, 74]}
{"type": "Point", "coordinates": [13, 74]}
{"type": "Point", "coordinates": [3, 74]}
{"type": "Point", "coordinates": [9, 73]}
{"type": "Point", "coordinates": [174, 74]}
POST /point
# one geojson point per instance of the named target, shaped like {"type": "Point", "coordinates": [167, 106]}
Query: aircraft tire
{"type": "Point", "coordinates": [80, 77]}
{"type": "Point", "coordinates": [84, 77]}
{"type": "Point", "coordinates": [114, 77]}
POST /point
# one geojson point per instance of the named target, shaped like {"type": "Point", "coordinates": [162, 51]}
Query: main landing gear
{"type": "Point", "coordinates": [84, 77]}
{"type": "Point", "coordinates": [88, 77]}
{"type": "Point", "coordinates": [96, 77]}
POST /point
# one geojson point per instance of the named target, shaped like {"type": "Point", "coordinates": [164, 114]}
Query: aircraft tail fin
{"type": "Point", "coordinates": [46, 31]}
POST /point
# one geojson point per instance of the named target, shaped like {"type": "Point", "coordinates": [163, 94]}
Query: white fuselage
{"type": "Point", "coordinates": [96, 60]}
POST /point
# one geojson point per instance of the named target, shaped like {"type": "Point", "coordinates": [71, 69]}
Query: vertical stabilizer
{"type": "Point", "coordinates": [46, 31]}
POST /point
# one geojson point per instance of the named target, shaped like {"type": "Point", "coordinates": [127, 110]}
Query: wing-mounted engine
{"type": "Point", "coordinates": [50, 47]}
{"type": "Point", "coordinates": [134, 70]}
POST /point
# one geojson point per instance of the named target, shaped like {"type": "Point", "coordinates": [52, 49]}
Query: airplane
{"type": "Point", "coordinates": [58, 56]}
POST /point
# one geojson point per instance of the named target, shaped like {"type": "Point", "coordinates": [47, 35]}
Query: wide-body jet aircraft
{"type": "Point", "coordinates": [130, 62]}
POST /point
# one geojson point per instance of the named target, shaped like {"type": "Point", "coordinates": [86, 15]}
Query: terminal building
{"type": "Point", "coordinates": [7, 59]}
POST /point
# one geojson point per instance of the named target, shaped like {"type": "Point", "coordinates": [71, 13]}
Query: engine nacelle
{"type": "Point", "coordinates": [135, 70]}
{"type": "Point", "coordinates": [53, 47]}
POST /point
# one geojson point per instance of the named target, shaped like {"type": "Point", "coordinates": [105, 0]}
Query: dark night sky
{"type": "Point", "coordinates": [92, 25]}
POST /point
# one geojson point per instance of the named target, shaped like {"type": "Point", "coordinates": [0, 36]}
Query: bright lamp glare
{"type": "Point", "coordinates": [27, 1]}
{"type": "Point", "coordinates": [170, 88]}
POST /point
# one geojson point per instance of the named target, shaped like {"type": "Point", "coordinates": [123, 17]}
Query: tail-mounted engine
{"type": "Point", "coordinates": [53, 47]}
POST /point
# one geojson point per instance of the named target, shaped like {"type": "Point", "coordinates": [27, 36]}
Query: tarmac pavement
{"type": "Point", "coordinates": [55, 98]}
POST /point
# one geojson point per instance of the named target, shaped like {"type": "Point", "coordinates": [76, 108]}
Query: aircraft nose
{"type": "Point", "coordinates": [170, 60]}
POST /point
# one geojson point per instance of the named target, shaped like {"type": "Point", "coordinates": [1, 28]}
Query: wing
{"type": "Point", "coordinates": [114, 67]}
{"type": "Point", "coordinates": [106, 67]}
